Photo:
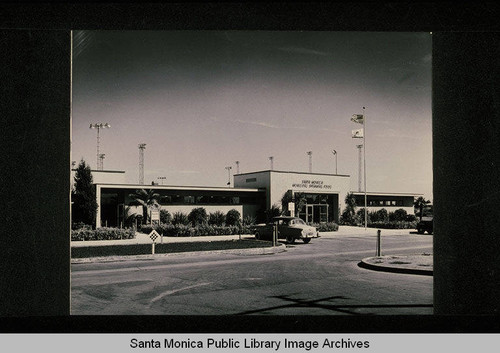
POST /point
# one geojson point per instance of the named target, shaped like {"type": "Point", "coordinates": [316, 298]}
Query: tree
{"type": "Point", "coordinates": [419, 205]}
{"type": "Point", "coordinates": [233, 217]}
{"type": "Point", "coordinates": [274, 211]}
{"type": "Point", "coordinates": [198, 216]}
{"type": "Point", "coordinates": [350, 209]}
{"type": "Point", "coordinates": [146, 199]}
{"type": "Point", "coordinates": [165, 217]}
{"type": "Point", "coordinates": [299, 198]}
{"type": "Point", "coordinates": [84, 204]}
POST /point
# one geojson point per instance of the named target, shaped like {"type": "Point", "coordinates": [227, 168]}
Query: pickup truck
{"type": "Point", "coordinates": [425, 224]}
{"type": "Point", "coordinates": [289, 228]}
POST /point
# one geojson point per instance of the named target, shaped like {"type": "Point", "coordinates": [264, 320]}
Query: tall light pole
{"type": "Point", "coordinates": [237, 167]}
{"type": "Point", "coordinates": [272, 165]}
{"type": "Point", "coordinates": [359, 166]}
{"type": "Point", "coordinates": [310, 161]}
{"type": "Point", "coordinates": [228, 175]}
{"type": "Point", "coordinates": [101, 158]}
{"type": "Point", "coordinates": [335, 154]}
{"type": "Point", "coordinates": [99, 126]}
{"type": "Point", "coordinates": [142, 147]}
{"type": "Point", "coordinates": [361, 119]}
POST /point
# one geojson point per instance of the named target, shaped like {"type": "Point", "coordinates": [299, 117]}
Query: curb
{"type": "Point", "coordinates": [251, 251]}
{"type": "Point", "coordinates": [395, 269]}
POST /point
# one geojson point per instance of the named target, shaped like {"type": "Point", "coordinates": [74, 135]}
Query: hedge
{"type": "Point", "coordinates": [393, 225]}
{"type": "Point", "coordinates": [180, 230]}
{"type": "Point", "coordinates": [102, 234]}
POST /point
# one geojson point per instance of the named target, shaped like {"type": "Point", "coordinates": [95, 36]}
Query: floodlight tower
{"type": "Point", "coordinates": [310, 161]}
{"type": "Point", "coordinates": [99, 126]}
{"type": "Point", "coordinates": [228, 175]}
{"type": "Point", "coordinates": [142, 147]}
{"type": "Point", "coordinates": [335, 154]}
{"type": "Point", "coordinates": [101, 158]}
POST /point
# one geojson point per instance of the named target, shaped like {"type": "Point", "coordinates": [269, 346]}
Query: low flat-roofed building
{"type": "Point", "coordinates": [390, 201]}
{"type": "Point", "coordinates": [113, 200]}
{"type": "Point", "coordinates": [253, 193]}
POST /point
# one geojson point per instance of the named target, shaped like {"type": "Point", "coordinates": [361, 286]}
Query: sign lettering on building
{"type": "Point", "coordinates": [311, 184]}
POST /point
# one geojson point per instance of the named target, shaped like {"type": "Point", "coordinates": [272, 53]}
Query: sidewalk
{"type": "Point", "coordinates": [142, 238]}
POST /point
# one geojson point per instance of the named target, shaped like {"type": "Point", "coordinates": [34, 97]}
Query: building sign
{"type": "Point", "coordinates": [312, 184]}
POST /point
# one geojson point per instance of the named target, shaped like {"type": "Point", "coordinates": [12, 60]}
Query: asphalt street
{"type": "Point", "coordinates": [319, 278]}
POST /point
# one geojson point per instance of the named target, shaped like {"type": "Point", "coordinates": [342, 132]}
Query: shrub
{"type": "Point", "coordinates": [398, 215]}
{"type": "Point", "coordinates": [326, 227]}
{"type": "Point", "coordinates": [232, 217]}
{"type": "Point", "coordinates": [181, 230]}
{"type": "Point", "coordinates": [102, 234]}
{"type": "Point", "coordinates": [198, 216]}
{"type": "Point", "coordinates": [180, 218]}
{"type": "Point", "coordinates": [248, 220]}
{"type": "Point", "coordinates": [216, 218]}
{"type": "Point", "coordinates": [379, 216]}
{"type": "Point", "coordinates": [360, 216]}
{"type": "Point", "coordinates": [393, 225]}
{"type": "Point", "coordinates": [165, 217]}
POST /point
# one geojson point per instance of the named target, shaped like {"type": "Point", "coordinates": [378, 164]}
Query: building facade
{"type": "Point", "coordinates": [316, 197]}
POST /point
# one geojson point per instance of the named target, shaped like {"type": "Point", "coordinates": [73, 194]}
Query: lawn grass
{"type": "Point", "coordinates": [144, 249]}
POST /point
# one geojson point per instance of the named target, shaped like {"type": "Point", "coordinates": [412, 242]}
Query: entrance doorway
{"type": "Point", "coordinates": [316, 213]}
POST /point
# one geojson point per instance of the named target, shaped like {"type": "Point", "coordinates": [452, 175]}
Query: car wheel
{"type": "Point", "coordinates": [290, 239]}
{"type": "Point", "coordinates": [306, 240]}
{"type": "Point", "coordinates": [257, 235]}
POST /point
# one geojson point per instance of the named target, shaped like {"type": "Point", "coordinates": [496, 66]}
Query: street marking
{"type": "Point", "coordinates": [164, 294]}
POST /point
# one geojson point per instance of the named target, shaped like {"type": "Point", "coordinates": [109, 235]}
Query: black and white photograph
{"type": "Point", "coordinates": [251, 172]}
{"type": "Point", "coordinates": [319, 172]}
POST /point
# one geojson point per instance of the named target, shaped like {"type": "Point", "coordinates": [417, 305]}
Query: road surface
{"type": "Point", "coordinates": [319, 278]}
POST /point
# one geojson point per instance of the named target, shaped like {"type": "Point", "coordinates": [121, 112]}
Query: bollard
{"type": "Point", "coordinates": [153, 248]}
{"type": "Point", "coordinates": [378, 242]}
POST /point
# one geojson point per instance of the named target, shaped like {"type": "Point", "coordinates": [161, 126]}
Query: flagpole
{"type": "Point", "coordinates": [364, 165]}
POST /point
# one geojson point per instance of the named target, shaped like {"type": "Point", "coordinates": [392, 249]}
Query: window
{"type": "Point", "coordinates": [189, 199]}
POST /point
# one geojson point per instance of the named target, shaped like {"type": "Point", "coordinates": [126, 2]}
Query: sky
{"type": "Point", "coordinates": [202, 100]}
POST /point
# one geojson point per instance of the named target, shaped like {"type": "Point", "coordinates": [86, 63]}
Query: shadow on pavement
{"type": "Point", "coordinates": [346, 309]}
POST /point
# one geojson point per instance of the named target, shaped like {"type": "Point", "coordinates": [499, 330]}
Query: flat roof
{"type": "Point", "coordinates": [174, 187]}
{"type": "Point", "coordinates": [290, 172]}
{"type": "Point", "coordinates": [372, 193]}
{"type": "Point", "coordinates": [102, 171]}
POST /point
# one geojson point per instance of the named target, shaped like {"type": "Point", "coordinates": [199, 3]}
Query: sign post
{"type": "Point", "coordinates": [153, 235]}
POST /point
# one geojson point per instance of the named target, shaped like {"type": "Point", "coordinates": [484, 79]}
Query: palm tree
{"type": "Point", "coordinates": [419, 205]}
{"type": "Point", "coordinates": [145, 199]}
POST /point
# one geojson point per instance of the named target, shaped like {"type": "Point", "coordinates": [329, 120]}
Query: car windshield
{"type": "Point", "coordinates": [297, 221]}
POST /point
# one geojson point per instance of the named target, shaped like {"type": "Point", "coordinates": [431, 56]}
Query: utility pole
{"type": "Point", "coordinates": [142, 147]}
{"type": "Point", "coordinates": [271, 159]}
{"type": "Point", "coordinates": [237, 167]}
{"type": "Point", "coordinates": [310, 161]}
